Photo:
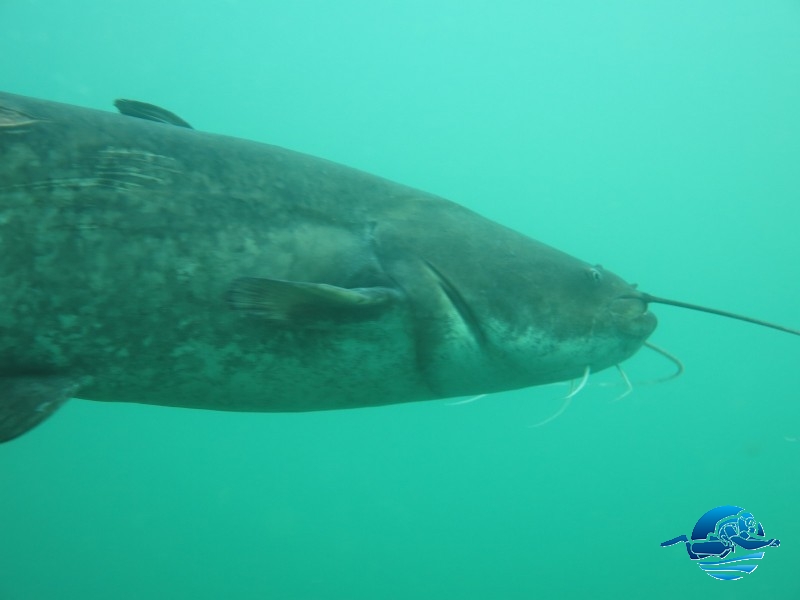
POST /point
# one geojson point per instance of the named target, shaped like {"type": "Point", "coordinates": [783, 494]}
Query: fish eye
{"type": "Point", "coordinates": [595, 273]}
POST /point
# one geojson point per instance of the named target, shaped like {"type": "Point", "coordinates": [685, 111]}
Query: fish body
{"type": "Point", "coordinates": [148, 262]}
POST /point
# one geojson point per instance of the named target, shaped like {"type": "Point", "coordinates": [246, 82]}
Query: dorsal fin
{"type": "Point", "coordinates": [151, 112]}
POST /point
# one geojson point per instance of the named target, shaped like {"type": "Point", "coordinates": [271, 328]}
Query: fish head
{"type": "Point", "coordinates": [573, 315]}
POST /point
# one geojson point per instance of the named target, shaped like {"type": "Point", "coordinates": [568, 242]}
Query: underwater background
{"type": "Point", "coordinates": [660, 139]}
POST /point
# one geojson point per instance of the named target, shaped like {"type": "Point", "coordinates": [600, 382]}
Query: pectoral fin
{"type": "Point", "coordinates": [26, 401]}
{"type": "Point", "coordinates": [292, 301]}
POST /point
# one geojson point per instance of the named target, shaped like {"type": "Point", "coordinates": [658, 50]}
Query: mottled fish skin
{"type": "Point", "coordinates": [133, 250]}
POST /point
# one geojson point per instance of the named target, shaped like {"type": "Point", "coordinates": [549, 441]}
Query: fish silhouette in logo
{"type": "Point", "coordinates": [717, 534]}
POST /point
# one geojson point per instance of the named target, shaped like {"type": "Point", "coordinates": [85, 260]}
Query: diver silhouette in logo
{"type": "Point", "coordinates": [721, 530]}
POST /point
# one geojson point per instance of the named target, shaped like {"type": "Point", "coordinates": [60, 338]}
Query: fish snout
{"type": "Point", "coordinates": [632, 317]}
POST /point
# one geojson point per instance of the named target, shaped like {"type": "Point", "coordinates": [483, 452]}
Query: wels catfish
{"type": "Point", "coordinates": [144, 261]}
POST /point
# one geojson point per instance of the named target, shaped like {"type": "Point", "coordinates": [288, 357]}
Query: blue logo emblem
{"type": "Point", "coordinates": [717, 534]}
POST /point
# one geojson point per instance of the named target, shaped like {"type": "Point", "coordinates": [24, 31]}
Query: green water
{"type": "Point", "coordinates": [658, 138]}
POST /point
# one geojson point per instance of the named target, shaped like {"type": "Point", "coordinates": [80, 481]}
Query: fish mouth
{"type": "Point", "coordinates": [632, 317]}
